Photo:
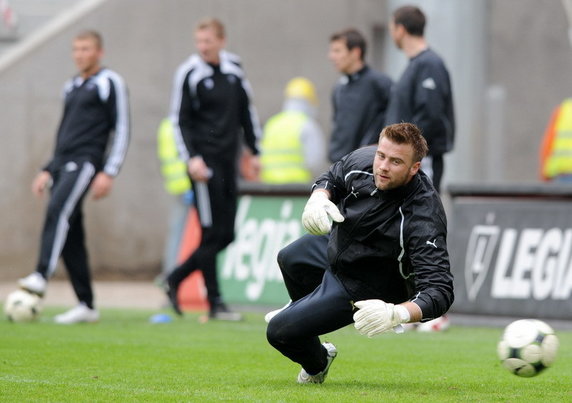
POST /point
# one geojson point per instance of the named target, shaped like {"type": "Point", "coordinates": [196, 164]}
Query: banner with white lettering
{"type": "Point", "coordinates": [249, 272]}
{"type": "Point", "coordinates": [512, 256]}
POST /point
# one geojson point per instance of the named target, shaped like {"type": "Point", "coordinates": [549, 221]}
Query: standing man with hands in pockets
{"type": "Point", "coordinates": [387, 252]}
{"type": "Point", "coordinates": [211, 112]}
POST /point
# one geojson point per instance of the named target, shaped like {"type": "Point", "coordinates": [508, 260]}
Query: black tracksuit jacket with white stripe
{"type": "Point", "coordinates": [392, 244]}
{"type": "Point", "coordinates": [211, 110]}
{"type": "Point", "coordinates": [93, 108]}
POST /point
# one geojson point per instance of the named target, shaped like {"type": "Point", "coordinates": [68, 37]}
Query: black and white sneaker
{"type": "Point", "coordinates": [34, 283]}
{"type": "Point", "coordinates": [320, 377]}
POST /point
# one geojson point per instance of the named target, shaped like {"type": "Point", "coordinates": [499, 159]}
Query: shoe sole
{"type": "Point", "coordinates": [38, 293]}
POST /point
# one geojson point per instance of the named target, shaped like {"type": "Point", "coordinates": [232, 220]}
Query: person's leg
{"type": "Point", "coordinates": [295, 331]}
{"type": "Point", "coordinates": [67, 192]}
{"type": "Point", "coordinates": [204, 255]}
{"type": "Point", "coordinates": [438, 165]}
{"type": "Point", "coordinates": [177, 222]}
{"type": "Point", "coordinates": [70, 184]}
{"type": "Point", "coordinates": [216, 202]}
{"type": "Point", "coordinates": [303, 263]}
{"type": "Point", "coordinates": [75, 259]}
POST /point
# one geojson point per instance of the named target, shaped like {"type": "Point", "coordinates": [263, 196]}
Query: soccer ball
{"type": "Point", "coordinates": [527, 347]}
{"type": "Point", "coordinates": [22, 306]}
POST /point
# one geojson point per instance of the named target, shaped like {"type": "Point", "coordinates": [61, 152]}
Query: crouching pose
{"type": "Point", "coordinates": [387, 252]}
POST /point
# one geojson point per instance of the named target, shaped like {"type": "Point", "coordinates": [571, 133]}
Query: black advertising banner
{"type": "Point", "coordinates": [512, 256]}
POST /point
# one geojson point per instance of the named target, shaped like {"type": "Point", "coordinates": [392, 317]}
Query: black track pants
{"type": "Point", "coordinates": [302, 264]}
{"type": "Point", "coordinates": [216, 202]}
{"type": "Point", "coordinates": [63, 232]}
{"type": "Point", "coordinates": [294, 331]}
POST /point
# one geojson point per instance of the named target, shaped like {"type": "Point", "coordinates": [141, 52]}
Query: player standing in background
{"type": "Point", "coordinates": [86, 157]}
{"type": "Point", "coordinates": [211, 114]}
{"type": "Point", "coordinates": [360, 98]}
{"type": "Point", "coordinates": [423, 95]}
{"type": "Point", "coordinates": [387, 252]}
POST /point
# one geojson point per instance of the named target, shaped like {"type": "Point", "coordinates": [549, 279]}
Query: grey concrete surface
{"type": "Point", "coordinates": [108, 294]}
{"type": "Point", "coordinates": [147, 295]}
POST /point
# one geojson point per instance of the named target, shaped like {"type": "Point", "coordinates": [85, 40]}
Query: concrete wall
{"type": "Point", "coordinates": [145, 40]}
{"type": "Point", "coordinates": [529, 62]}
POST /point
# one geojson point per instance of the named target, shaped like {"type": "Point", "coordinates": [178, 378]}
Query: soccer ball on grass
{"type": "Point", "coordinates": [527, 347]}
{"type": "Point", "coordinates": [22, 306]}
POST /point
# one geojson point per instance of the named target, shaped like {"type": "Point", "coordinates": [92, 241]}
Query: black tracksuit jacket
{"type": "Point", "coordinates": [93, 109]}
{"type": "Point", "coordinates": [211, 110]}
{"type": "Point", "coordinates": [423, 96]}
{"type": "Point", "coordinates": [359, 104]}
{"type": "Point", "coordinates": [392, 244]}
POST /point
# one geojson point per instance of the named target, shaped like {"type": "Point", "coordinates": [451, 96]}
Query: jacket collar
{"type": "Point", "coordinates": [401, 192]}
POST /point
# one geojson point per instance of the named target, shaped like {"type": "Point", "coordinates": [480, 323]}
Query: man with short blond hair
{"type": "Point", "coordinates": [86, 158]}
{"type": "Point", "coordinates": [212, 116]}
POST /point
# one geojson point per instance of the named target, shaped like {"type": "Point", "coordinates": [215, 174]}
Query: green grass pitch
{"type": "Point", "coordinates": [125, 358]}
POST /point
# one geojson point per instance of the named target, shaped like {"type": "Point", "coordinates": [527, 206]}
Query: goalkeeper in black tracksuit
{"type": "Point", "coordinates": [211, 114]}
{"type": "Point", "coordinates": [387, 252]}
{"type": "Point", "coordinates": [87, 156]}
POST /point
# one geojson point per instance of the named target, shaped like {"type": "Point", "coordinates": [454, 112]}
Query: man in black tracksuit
{"type": "Point", "coordinates": [359, 99]}
{"type": "Point", "coordinates": [423, 95]}
{"type": "Point", "coordinates": [211, 113]}
{"type": "Point", "coordinates": [86, 157]}
{"type": "Point", "coordinates": [387, 252]}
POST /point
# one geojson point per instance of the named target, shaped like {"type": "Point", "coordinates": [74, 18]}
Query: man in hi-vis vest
{"type": "Point", "coordinates": [556, 149]}
{"type": "Point", "coordinates": [293, 147]}
{"type": "Point", "coordinates": [177, 183]}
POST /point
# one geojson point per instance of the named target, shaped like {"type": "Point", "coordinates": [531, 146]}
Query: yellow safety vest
{"type": "Point", "coordinates": [282, 156]}
{"type": "Point", "coordinates": [559, 159]}
{"type": "Point", "coordinates": [173, 169]}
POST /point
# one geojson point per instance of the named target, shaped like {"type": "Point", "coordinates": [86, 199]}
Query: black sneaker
{"type": "Point", "coordinates": [221, 312]}
{"type": "Point", "coordinates": [172, 296]}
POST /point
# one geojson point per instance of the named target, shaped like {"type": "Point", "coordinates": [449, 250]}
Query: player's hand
{"type": "Point", "coordinates": [250, 166]}
{"type": "Point", "coordinates": [375, 317]}
{"type": "Point", "coordinates": [101, 185]}
{"type": "Point", "coordinates": [199, 170]}
{"type": "Point", "coordinates": [41, 182]}
{"type": "Point", "coordinates": [319, 213]}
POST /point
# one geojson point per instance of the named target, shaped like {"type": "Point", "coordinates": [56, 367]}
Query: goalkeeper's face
{"type": "Point", "coordinates": [393, 164]}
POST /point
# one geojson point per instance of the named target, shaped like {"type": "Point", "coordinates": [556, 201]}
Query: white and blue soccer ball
{"type": "Point", "coordinates": [527, 347]}
{"type": "Point", "coordinates": [22, 306]}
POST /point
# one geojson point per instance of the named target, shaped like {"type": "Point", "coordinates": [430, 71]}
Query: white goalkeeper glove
{"type": "Point", "coordinates": [319, 213]}
{"type": "Point", "coordinates": [375, 317]}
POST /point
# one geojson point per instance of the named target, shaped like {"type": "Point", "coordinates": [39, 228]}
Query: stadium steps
{"type": "Point", "coordinates": [37, 21]}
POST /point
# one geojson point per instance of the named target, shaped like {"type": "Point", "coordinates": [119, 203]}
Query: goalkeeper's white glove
{"type": "Point", "coordinates": [375, 317]}
{"type": "Point", "coordinates": [319, 213]}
